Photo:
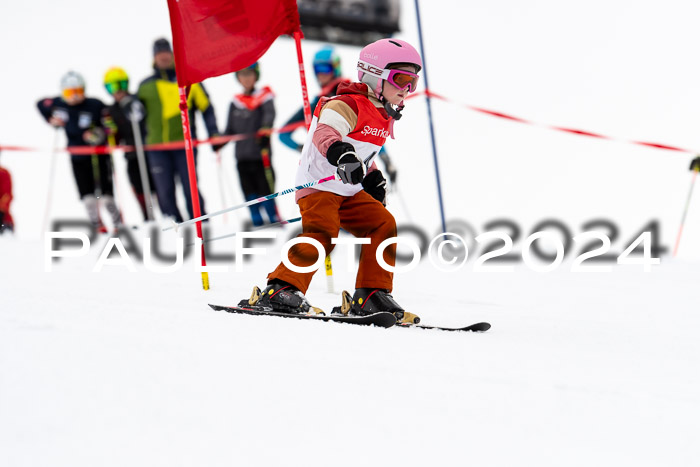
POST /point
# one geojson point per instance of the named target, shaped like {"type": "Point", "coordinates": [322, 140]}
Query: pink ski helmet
{"type": "Point", "coordinates": [380, 55]}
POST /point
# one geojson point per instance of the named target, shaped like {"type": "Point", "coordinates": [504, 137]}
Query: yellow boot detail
{"type": "Point", "coordinates": [255, 296]}
{"type": "Point", "coordinates": [347, 303]}
{"type": "Point", "coordinates": [316, 311]}
{"type": "Point", "coordinates": [409, 318]}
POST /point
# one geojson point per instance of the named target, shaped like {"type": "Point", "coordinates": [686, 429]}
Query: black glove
{"type": "Point", "coordinates": [263, 142]}
{"type": "Point", "coordinates": [350, 168]}
{"type": "Point", "coordinates": [695, 164]}
{"type": "Point", "coordinates": [217, 147]}
{"type": "Point", "coordinates": [375, 185]}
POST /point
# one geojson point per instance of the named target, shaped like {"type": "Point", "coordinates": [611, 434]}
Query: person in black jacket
{"type": "Point", "coordinates": [118, 121]}
{"type": "Point", "coordinates": [81, 118]}
{"type": "Point", "coordinates": [253, 112]}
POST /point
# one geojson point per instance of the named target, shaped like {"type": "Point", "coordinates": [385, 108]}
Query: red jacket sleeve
{"type": "Point", "coordinates": [5, 190]}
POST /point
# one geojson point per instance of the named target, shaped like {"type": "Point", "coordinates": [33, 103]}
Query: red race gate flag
{"type": "Point", "coordinates": [214, 37]}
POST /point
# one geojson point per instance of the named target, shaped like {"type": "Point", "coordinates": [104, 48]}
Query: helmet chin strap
{"type": "Point", "coordinates": [393, 113]}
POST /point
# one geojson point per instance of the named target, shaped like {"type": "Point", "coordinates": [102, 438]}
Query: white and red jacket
{"type": "Point", "coordinates": [354, 116]}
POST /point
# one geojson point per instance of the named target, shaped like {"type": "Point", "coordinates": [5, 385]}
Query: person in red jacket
{"type": "Point", "coordinates": [346, 133]}
{"type": "Point", "coordinates": [6, 222]}
{"type": "Point", "coordinates": [253, 112]}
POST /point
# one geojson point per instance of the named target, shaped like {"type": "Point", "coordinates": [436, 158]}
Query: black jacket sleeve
{"type": "Point", "coordinates": [268, 114]}
{"type": "Point", "coordinates": [230, 123]}
{"type": "Point", "coordinates": [46, 107]}
{"type": "Point", "coordinates": [209, 117]}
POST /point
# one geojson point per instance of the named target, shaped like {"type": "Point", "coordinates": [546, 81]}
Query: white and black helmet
{"type": "Point", "coordinates": [72, 80]}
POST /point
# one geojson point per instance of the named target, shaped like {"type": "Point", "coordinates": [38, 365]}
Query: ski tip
{"type": "Point", "coordinates": [480, 327]}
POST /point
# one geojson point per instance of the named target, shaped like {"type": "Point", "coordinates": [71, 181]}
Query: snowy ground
{"type": "Point", "coordinates": [117, 368]}
{"type": "Point", "coordinates": [578, 369]}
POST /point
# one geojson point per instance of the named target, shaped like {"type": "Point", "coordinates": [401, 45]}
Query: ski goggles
{"type": "Point", "coordinates": [114, 86]}
{"type": "Point", "coordinates": [70, 93]}
{"type": "Point", "coordinates": [401, 79]}
{"type": "Point", "coordinates": [323, 68]}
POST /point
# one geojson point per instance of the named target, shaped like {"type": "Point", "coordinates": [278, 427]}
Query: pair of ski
{"type": "Point", "coordinates": [381, 319]}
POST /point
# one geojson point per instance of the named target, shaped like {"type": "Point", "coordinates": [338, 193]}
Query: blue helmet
{"type": "Point", "coordinates": [327, 61]}
{"type": "Point", "coordinates": [255, 67]}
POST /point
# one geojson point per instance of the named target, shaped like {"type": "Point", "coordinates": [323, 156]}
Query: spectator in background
{"type": "Point", "coordinates": [328, 71]}
{"type": "Point", "coordinates": [159, 94]}
{"type": "Point", "coordinates": [118, 122]}
{"type": "Point", "coordinates": [253, 112]}
{"type": "Point", "coordinates": [6, 222]}
{"type": "Point", "coordinates": [328, 74]}
{"type": "Point", "coordinates": [81, 118]}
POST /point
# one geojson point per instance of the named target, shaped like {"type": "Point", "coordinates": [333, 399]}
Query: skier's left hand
{"type": "Point", "coordinates": [375, 185]}
{"type": "Point", "coordinates": [216, 147]}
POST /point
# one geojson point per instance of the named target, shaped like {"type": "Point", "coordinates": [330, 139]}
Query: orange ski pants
{"type": "Point", "coordinates": [322, 215]}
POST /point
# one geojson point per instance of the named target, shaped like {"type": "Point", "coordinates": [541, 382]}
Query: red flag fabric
{"type": "Point", "coordinates": [214, 37]}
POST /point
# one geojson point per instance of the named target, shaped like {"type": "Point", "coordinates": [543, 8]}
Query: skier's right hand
{"type": "Point", "coordinates": [351, 169]}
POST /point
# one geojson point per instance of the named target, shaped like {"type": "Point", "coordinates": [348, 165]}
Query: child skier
{"type": "Point", "coordinates": [249, 113]}
{"type": "Point", "coordinates": [81, 118]}
{"type": "Point", "coordinates": [118, 120]}
{"type": "Point", "coordinates": [346, 131]}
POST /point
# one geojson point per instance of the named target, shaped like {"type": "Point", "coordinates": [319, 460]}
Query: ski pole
{"type": "Point", "coordinates": [266, 226]}
{"type": "Point", "coordinates": [253, 201]}
{"type": "Point", "coordinates": [52, 171]}
{"type": "Point", "coordinates": [330, 286]}
{"type": "Point", "coordinates": [267, 166]}
{"type": "Point", "coordinates": [118, 195]}
{"type": "Point", "coordinates": [220, 172]}
{"type": "Point", "coordinates": [685, 211]}
{"type": "Point", "coordinates": [330, 283]}
{"type": "Point", "coordinates": [395, 187]}
{"type": "Point", "coordinates": [143, 166]}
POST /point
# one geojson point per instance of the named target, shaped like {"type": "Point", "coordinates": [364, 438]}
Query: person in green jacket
{"type": "Point", "coordinates": [160, 96]}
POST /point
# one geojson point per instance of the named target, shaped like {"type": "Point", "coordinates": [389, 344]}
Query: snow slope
{"type": "Point", "coordinates": [112, 368]}
{"type": "Point", "coordinates": [115, 368]}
